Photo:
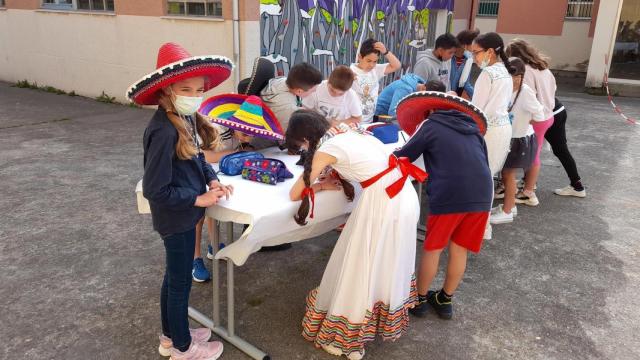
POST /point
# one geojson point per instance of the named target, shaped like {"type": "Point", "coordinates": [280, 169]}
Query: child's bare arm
{"type": "Point", "coordinates": [394, 64]}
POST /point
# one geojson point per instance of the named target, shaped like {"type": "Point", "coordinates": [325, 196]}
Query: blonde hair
{"type": "Point", "coordinates": [185, 147]}
{"type": "Point", "coordinates": [526, 52]}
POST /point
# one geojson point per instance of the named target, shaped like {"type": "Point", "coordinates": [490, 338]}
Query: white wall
{"type": "Point", "coordinates": [459, 25]}
{"type": "Point", "coordinates": [603, 41]}
{"type": "Point", "coordinates": [91, 53]}
{"type": "Point", "coordinates": [570, 51]}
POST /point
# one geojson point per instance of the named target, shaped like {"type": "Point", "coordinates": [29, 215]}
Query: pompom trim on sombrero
{"type": "Point", "coordinates": [412, 108]}
{"type": "Point", "coordinates": [247, 114]}
{"type": "Point", "coordinates": [174, 64]}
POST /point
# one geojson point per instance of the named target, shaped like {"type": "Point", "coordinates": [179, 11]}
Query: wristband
{"type": "Point", "coordinates": [386, 53]}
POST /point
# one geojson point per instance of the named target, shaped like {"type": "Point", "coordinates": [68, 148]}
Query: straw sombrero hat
{"type": "Point", "coordinates": [175, 64]}
{"type": "Point", "coordinates": [413, 109]}
{"type": "Point", "coordinates": [243, 113]}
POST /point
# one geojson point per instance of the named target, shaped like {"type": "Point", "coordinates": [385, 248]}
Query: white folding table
{"type": "Point", "coordinates": [268, 213]}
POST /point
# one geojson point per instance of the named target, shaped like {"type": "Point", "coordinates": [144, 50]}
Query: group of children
{"type": "Point", "coordinates": [369, 287]}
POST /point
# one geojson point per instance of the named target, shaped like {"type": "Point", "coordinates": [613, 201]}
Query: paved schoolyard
{"type": "Point", "coordinates": [81, 270]}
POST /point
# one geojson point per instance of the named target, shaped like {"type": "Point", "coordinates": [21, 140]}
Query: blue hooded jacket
{"type": "Point", "coordinates": [456, 72]}
{"type": "Point", "coordinates": [394, 92]}
{"type": "Point", "coordinates": [455, 156]}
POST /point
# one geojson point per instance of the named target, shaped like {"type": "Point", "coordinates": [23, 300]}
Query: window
{"type": "Point", "coordinates": [488, 7]}
{"type": "Point", "coordinates": [212, 8]}
{"type": "Point", "coordinates": [579, 9]}
{"type": "Point", "coordinates": [83, 5]}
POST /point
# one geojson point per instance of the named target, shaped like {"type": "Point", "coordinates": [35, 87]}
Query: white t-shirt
{"type": "Point", "coordinates": [543, 84]}
{"type": "Point", "coordinates": [525, 109]}
{"type": "Point", "coordinates": [339, 107]}
{"type": "Point", "coordinates": [492, 94]}
{"type": "Point", "coordinates": [367, 86]}
{"type": "Point", "coordinates": [227, 141]}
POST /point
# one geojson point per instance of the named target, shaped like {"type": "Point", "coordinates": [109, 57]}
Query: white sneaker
{"type": "Point", "coordinates": [529, 200]}
{"type": "Point", "coordinates": [500, 217]}
{"type": "Point", "coordinates": [514, 210]}
{"type": "Point", "coordinates": [520, 185]}
{"type": "Point", "coordinates": [199, 351]}
{"type": "Point", "coordinates": [570, 191]}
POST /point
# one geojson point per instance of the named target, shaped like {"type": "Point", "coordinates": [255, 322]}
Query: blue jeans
{"type": "Point", "coordinates": [176, 286]}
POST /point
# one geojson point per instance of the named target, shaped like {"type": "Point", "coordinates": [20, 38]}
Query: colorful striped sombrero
{"type": "Point", "coordinates": [246, 114]}
{"type": "Point", "coordinates": [175, 64]}
{"type": "Point", "coordinates": [413, 109]}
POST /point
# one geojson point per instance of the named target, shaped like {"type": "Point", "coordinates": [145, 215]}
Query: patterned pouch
{"type": "Point", "coordinates": [266, 171]}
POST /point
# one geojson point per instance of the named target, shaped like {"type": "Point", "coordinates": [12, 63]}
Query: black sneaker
{"type": "Point", "coordinates": [444, 310]}
{"type": "Point", "coordinates": [422, 308]}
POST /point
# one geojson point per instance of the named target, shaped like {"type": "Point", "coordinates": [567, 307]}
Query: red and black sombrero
{"type": "Point", "coordinates": [175, 64]}
{"type": "Point", "coordinates": [414, 109]}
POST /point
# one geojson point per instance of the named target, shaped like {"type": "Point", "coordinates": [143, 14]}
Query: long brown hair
{"type": "Point", "coordinates": [185, 147]}
{"type": "Point", "coordinates": [528, 53]}
{"type": "Point", "coordinates": [520, 69]}
{"type": "Point", "coordinates": [309, 125]}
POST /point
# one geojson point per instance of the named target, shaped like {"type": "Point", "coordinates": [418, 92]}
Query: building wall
{"type": "Point", "coordinates": [539, 17]}
{"type": "Point", "coordinates": [603, 41]}
{"type": "Point", "coordinates": [91, 52]}
{"type": "Point", "coordinates": [570, 51]}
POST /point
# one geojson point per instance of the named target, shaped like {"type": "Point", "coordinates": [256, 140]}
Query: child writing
{"type": "Point", "coordinates": [459, 189]}
{"type": "Point", "coordinates": [335, 100]}
{"type": "Point", "coordinates": [525, 109]}
{"type": "Point", "coordinates": [175, 179]}
{"type": "Point", "coordinates": [367, 286]}
{"type": "Point", "coordinates": [369, 72]}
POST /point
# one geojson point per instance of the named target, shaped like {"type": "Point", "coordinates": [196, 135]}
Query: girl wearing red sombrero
{"type": "Point", "coordinates": [448, 132]}
{"type": "Point", "coordinates": [175, 182]}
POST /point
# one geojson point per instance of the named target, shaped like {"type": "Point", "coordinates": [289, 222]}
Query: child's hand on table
{"type": "Point", "coordinates": [226, 189]}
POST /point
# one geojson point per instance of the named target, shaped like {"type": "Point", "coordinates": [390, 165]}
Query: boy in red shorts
{"type": "Point", "coordinates": [459, 188]}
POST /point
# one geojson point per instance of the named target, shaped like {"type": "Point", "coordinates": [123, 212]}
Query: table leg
{"type": "Point", "coordinates": [230, 286]}
{"type": "Point", "coordinates": [227, 334]}
{"type": "Point", "coordinates": [215, 269]}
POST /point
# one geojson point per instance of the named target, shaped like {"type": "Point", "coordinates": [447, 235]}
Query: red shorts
{"type": "Point", "coordinates": [464, 229]}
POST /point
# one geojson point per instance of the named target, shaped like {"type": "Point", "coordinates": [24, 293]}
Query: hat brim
{"type": "Point", "coordinates": [413, 109]}
{"type": "Point", "coordinates": [215, 70]}
{"type": "Point", "coordinates": [263, 71]}
{"type": "Point", "coordinates": [220, 109]}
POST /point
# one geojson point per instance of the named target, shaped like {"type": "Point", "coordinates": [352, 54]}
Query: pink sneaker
{"type": "Point", "coordinates": [199, 351]}
{"type": "Point", "coordinates": [197, 335]}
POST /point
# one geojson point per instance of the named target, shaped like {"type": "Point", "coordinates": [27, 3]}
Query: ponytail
{"type": "Point", "coordinates": [310, 125]}
{"type": "Point", "coordinates": [505, 59]}
{"type": "Point", "coordinates": [303, 210]}
{"type": "Point", "coordinates": [492, 40]}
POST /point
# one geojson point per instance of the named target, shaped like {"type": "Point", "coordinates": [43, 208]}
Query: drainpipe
{"type": "Point", "coordinates": [471, 17]}
{"type": "Point", "coordinates": [236, 44]}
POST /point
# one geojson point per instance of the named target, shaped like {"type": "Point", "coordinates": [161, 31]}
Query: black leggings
{"type": "Point", "coordinates": [557, 138]}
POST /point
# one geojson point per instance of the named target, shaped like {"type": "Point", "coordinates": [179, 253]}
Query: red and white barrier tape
{"type": "Point", "coordinates": [613, 104]}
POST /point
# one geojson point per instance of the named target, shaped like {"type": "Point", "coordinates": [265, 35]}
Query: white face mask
{"type": "Point", "coordinates": [187, 105]}
{"type": "Point", "coordinates": [484, 63]}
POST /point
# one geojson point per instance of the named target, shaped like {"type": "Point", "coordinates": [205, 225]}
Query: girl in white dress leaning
{"type": "Point", "coordinates": [368, 285]}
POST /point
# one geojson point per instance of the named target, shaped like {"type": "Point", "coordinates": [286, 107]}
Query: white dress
{"type": "Point", "coordinates": [369, 283]}
{"type": "Point", "coordinates": [492, 93]}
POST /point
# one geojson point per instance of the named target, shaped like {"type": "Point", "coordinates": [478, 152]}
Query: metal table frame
{"type": "Point", "coordinates": [228, 333]}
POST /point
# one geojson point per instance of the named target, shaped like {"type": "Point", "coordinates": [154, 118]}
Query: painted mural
{"type": "Point", "coordinates": [327, 33]}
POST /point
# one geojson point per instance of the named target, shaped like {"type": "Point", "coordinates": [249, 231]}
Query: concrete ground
{"type": "Point", "coordinates": [81, 270]}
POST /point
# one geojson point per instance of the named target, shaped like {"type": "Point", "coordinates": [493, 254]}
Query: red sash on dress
{"type": "Point", "coordinates": [406, 168]}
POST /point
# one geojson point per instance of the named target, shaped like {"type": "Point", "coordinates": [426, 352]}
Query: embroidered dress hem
{"type": "Point", "coordinates": [338, 332]}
